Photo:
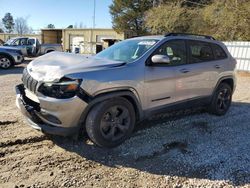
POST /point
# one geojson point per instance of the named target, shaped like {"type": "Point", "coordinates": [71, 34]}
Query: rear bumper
{"type": "Point", "coordinates": [31, 111]}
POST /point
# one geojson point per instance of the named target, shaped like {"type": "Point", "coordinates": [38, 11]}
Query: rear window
{"type": "Point", "coordinates": [219, 53]}
{"type": "Point", "coordinates": [200, 51]}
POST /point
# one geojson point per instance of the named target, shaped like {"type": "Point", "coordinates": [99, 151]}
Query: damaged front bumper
{"type": "Point", "coordinates": [52, 116]}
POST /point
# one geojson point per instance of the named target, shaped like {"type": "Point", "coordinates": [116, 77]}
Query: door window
{"type": "Point", "coordinates": [31, 42]}
{"type": "Point", "coordinates": [175, 50]}
{"type": "Point", "coordinates": [23, 41]}
{"type": "Point", "coordinates": [200, 51]}
{"type": "Point", "coordinates": [20, 42]}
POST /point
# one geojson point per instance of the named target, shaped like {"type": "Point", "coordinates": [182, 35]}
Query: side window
{"type": "Point", "coordinates": [23, 41]}
{"type": "Point", "coordinates": [219, 53]}
{"type": "Point", "coordinates": [175, 50]}
{"type": "Point", "coordinates": [31, 41]}
{"type": "Point", "coordinates": [200, 51]}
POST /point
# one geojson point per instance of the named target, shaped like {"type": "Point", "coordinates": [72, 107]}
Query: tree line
{"type": "Point", "coordinates": [224, 19]}
{"type": "Point", "coordinates": [18, 25]}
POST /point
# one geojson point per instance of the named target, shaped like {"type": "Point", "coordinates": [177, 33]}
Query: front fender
{"type": "Point", "coordinates": [110, 95]}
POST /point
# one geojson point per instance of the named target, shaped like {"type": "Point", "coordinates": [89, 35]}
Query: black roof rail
{"type": "Point", "coordinates": [190, 34]}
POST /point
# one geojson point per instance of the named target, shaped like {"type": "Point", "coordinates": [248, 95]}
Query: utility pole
{"type": "Point", "coordinates": [94, 15]}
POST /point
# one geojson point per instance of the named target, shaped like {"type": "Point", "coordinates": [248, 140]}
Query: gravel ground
{"type": "Point", "coordinates": [184, 149]}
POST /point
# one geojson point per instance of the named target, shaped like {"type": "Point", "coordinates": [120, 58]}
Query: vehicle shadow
{"type": "Point", "coordinates": [189, 143]}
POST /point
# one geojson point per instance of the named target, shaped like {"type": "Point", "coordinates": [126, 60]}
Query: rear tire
{"type": "Point", "coordinates": [221, 100]}
{"type": "Point", "coordinates": [5, 62]}
{"type": "Point", "coordinates": [110, 122]}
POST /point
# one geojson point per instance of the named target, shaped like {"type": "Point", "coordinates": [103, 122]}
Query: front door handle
{"type": "Point", "coordinates": [217, 66]}
{"type": "Point", "coordinates": [184, 71]}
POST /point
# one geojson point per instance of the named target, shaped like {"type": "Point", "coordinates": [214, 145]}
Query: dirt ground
{"type": "Point", "coordinates": [184, 149]}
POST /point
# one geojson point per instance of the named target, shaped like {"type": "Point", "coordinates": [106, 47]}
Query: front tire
{"type": "Point", "coordinates": [5, 62]}
{"type": "Point", "coordinates": [110, 122]}
{"type": "Point", "coordinates": [221, 100]}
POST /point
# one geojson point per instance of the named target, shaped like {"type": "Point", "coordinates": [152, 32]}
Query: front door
{"type": "Point", "coordinates": [32, 47]}
{"type": "Point", "coordinates": [21, 44]}
{"type": "Point", "coordinates": [160, 79]}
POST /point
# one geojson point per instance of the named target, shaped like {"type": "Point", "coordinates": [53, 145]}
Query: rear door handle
{"type": "Point", "coordinates": [184, 71]}
{"type": "Point", "coordinates": [217, 66]}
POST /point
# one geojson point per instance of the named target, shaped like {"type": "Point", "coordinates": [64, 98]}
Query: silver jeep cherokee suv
{"type": "Point", "coordinates": [108, 93]}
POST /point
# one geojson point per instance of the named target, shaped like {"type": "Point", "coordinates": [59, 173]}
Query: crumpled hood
{"type": "Point", "coordinates": [53, 66]}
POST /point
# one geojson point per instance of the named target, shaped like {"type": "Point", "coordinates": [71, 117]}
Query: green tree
{"type": "Point", "coordinates": [225, 20]}
{"type": "Point", "coordinates": [228, 19]}
{"type": "Point", "coordinates": [70, 26]}
{"type": "Point", "coordinates": [8, 22]}
{"type": "Point", "coordinates": [169, 17]}
{"type": "Point", "coordinates": [129, 15]}
{"type": "Point", "coordinates": [183, 3]}
{"type": "Point", "coordinates": [195, 3]}
{"type": "Point", "coordinates": [51, 26]}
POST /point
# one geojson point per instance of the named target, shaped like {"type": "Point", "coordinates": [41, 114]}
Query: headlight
{"type": "Point", "coordinates": [60, 90]}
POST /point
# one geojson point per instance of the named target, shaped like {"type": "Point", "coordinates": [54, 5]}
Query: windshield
{"type": "Point", "coordinates": [9, 42]}
{"type": "Point", "coordinates": [127, 50]}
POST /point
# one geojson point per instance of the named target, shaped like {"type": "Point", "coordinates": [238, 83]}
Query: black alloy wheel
{"type": "Point", "coordinates": [221, 100]}
{"type": "Point", "coordinates": [110, 122]}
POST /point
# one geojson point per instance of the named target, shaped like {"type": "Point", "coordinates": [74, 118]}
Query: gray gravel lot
{"type": "Point", "coordinates": [184, 149]}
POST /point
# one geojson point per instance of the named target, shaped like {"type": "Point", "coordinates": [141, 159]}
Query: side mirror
{"type": "Point", "coordinates": [160, 59]}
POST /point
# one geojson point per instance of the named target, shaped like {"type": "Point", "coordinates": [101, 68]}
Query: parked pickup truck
{"type": "Point", "coordinates": [31, 47]}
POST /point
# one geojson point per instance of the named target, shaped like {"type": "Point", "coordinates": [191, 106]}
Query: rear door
{"type": "Point", "coordinates": [197, 77]}
{"type": "Point", "coordinates": [160, 79]}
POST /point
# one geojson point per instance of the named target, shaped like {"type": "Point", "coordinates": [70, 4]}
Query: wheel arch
{"type": "Point", "coordinates": [9, 56]}
{"type": "Point", "coordinates": [49, 50]}
{"type": "Point", "coordinates": [228, 80]}
{"type": "Point", "coordinates": [127, 94]}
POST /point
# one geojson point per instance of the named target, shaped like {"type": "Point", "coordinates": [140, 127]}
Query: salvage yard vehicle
{"type": "Point", "coordinates": [31, 47]}
{"type": "Point", "coordinates": [9, 57]}
{"type": "Point", "coordinates": [108, 93]}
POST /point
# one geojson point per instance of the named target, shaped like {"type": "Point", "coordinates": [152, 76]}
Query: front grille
{"type": "Point", "coordinates": [29, 82]}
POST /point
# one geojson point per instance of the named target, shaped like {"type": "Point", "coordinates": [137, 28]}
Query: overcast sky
{"type": "Point", "coordinates": [61, 13]}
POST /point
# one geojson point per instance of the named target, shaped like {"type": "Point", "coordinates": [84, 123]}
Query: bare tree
{"type": "Point", "coordinates": [75, 26]}
{"type": "Point", "coordinates": [81, 25]}
{"type": "Point", "coordinates": [21, 26]}
{"type": "Point", "coordinates": [1, 27]}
